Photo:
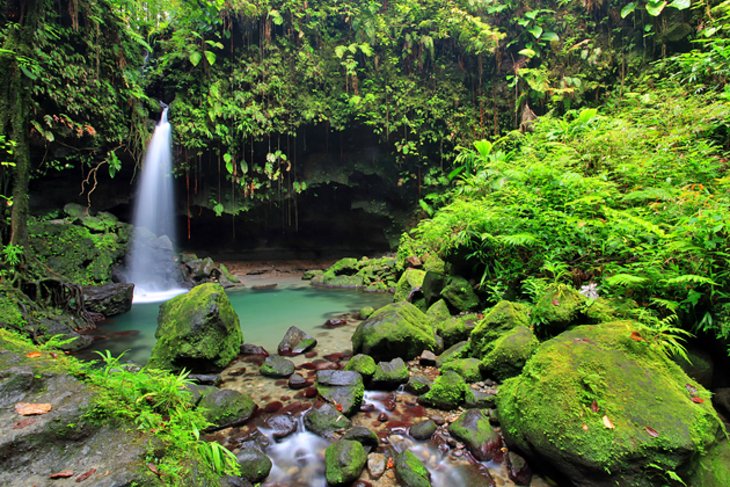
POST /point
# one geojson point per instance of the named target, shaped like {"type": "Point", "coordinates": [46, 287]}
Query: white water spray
{"type": "Point", "coordinates": [151, 262]}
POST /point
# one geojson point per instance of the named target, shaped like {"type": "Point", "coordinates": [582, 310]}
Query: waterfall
{"type": "Point", "coordinates": [151, 262]}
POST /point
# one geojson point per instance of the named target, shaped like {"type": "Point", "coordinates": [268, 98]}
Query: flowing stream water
{"type": "Point", "coordinates": [151, 262]}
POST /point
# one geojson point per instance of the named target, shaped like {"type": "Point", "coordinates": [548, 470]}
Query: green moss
{"type": "Point", "coordinates": [225, 406]}
{"type": "Point", "coordinates": [364, 364]}
{"type": "Point", "coordinates": [365, 312]}
{"type": "Point", "coordinates": [344, 460]}
{"type": "Point", "coordinates": [11, 315]}
{"type": "Point", "coordinates": [458, 293]}
{"type": "Point", "coordinates": [456, 329]}
{"type": "Point", "coordinates": [713, 468]}
{"type": "Point", "coordinates": [509, 353]}
{"type": "Point", "coordinates": [447, 391]}
{"type": "Point", "coordinates": [438, 312]}
{"type": "Point", "coordinates": [504, 316]}
{"type": "Point", "coordinates": [409, 281]}
{"type": "Point", "coordinates": [410, 471]}
{"type": "Point", "coordinates": [559, 307]}
{"type": "Point", "coordinates": [474, 429]}
{"type": "Point", "coordinates": [454, 352]}
{"type": "Point", "coordinates": [468, 368]}
{"type": "Point", "coordinates": [548, 409]}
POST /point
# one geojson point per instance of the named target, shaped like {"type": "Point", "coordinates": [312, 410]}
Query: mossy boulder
{"type": "Point", "coordinates": [713, 468]}
{"type": "Point", "coordinates": [456, 329]}
{"type": "Point", "coordinates": [423, 430]}
{"type": "Point", "coordinates": [558, 308]}
{"type": "Point", "coordinates": [365, 312]}
{"type": "Point", "coordinates": [418, 384]}
{"type": "Point", "coordinates": [343, 388]}
{"type": "Point", "coordinates": [601, 406]}
{"type": "Point", "coordinates": [255, 465]}
{"type": "Point", "coordinates": [474, 429]}
{"type": "Point", "coordinates": [325, 421]}
{"type": "Point", "coordinates": [438, 312]}
{"type": "Point", "coordinates": [389, 375]}
{"type": "Point", "coordinates": [366, 437]}
{"type": "Point", "coordinates": [410, 471]}
{"type": "Point", "coordinates": [468, 368]}
{"type": "Point", "coordinates": [296, 341]}
{"type": "Point", "coordinates": [433, 284]}
{"type": "Point", "coordinates": [509, 353]}
{"type": "Point", "coordinates": [363, 364]}
{"type": "Point", "coordinates": [504, 316]}
{"type": "Point", "coordinates": [197, 330]}
{"type": "Point", "coordinates": [344, 460]}
{"type": "Point", "coordinates": [225, 407]}
{"type": "Point", "coordinates": [700, 365]}
{"type": "Point", "coordinates": [447, 391]}
{"type": "Point", "coordinates": [276, 367]}
{"type": "Point", "coordinates": [459, 294]}
{"type": "Point", "coordinates": [396, 330]}
{"type": "Point", "coordinates": [410, 281]}
{"type": "Point", "coordinates": [454, 352]}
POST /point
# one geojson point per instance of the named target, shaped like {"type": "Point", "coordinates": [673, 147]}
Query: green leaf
{"type": "Point", "coordinates": [484, 147]}
{"type": "Point", "coordinates": [536, 31]}
{"type": "Point", "coordinates": [628, 9]}
{"type": "Point", "coordinates": [680, 4]}
{"type": "Point", "coordinates": [654, 8]}
{"type": "Point", "coordinates": [195, 58]}
{"type": "Point", "coordinates": [625, 280]}
{"type": "Point", "coordinates": [529, 53]}
{"type": "Point", "coordinates": [210, 56]}
{"type": "Point", "coordinates": [28, 73]}
{"type": "Point", "coordinates": [276, 17]}
{"type": "Point", "coordinates": [550, 36]}
{"type": "Point", "coordinates": [340, 51]}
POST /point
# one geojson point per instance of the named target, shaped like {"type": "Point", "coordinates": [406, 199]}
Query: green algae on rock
{"type": "Point", "coordinates": [410, 471]}
{"type": "Point", "coordinates": [509, 353]}
{"type": "Point", "coordinates": [474, 429]}
{"type": "Point", "coordinates": [459, 294]}
{"type": "Point", "coordinates": [410, 281]}
{"type": "Point", "coordinates": [226, 407]}
{"type": "Point", "coordinates": [396, 330]}
{"type": "Point", "coordinates": [447, 391]}
{"type": "Point", "coordinates": [602, 406]}
{"type": "Point", "coordinates": [558, 308]}
{"type": "Point", "coordinates": [503, 317]}
{"type": "Point", "coordinates": [713, 468]}
{"type": "Point", "coordinates": [344, 461]}
{"type": "Point", "coordinates": [468, 368]}
{"type": "Point", "coordinates": [197, 330]}
{"type": "Point", "coordinates": [363, 364]}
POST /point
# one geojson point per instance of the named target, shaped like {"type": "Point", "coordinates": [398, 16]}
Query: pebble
{"type": "Point", "coordinates": [382, 417]}
{"type": "Point", "coordinates": [296, 381]}
{"type": "Point", "coordinates": [376, 465]}
{"type": "Point", "coordinates": [439, 420]}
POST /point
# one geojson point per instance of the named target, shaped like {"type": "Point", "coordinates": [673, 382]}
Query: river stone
{"type": "Point", "coordinates": [468, 368]}
{"type": "Point", "coordinates": [197, 391]}
{"type": "Point", "coordinates": [343, 388]}
{"type": "Point", "coordinates": [110, 299]}
{"type": "Point", "coordinates": [296, 381]}
{"type": "Point", "coordinates": [423, 430]}
{"type": "Point", "coordinates": [296, 342]}
{"type": "Point", "coordinates": [503, 317]}
{"type": "Point", "coordinates": [478, 399]}
{"type": "Point", "coordinates": [518, 470]}
{"type": "Point", "coordinates": [410, 471]}
{"type": "Point", "coordinates": [559, 307]}
{"type": "Point", "coordinates": [545, 411]}
{"type": "Point", "coordinates": [363, 364]}
{"type": "Point", "coordinates": [276, 366]}
{"type": "Point", "coordinates": [251, 349]}
{"type": "Point", "coordinates": [282, 425]}
{"type": "Point", "coordinates": [509, 353]}
{"type": "Point", "coordinates": [410, 281]}
{"type": "Point", "coordinates": [362, 435]}
{"type": "Point", "coordinates": [344, 460]}
{"type": "Point", "coordinates": [459, 294]}
{"type": "Point", "coordinates": [418, 384]}
{"type": "Point", "coordinates": [376, 465]}
{"type": "Point", "coordinates": [454, 352]}
{"type": "Point", "coordinates": [206, 379]}
{"type": "Point", "coordinates": [395, 330]}
{"type": "Point", "coordinates": [325, 420]}
{"type": "Point", "coordinates": [389, 375]}
{"type": "Point", "coordinates": [457, 328]}
{"type": "Point", "coordinates": [433, 283]}
{"type": "Point", "coordinates": [255, 464]}
{"type": "Point", "coordinates": [197, 330]}
{"type": "Point", "coordinates": [447, 391]}
{"type": "Point", "coordinates": [474, 429]}
{"type": "Point", "coordinates": [226, 407]}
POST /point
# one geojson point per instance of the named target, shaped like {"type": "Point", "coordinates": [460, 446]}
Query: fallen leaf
{"type": "Point", "coordinates": [338, 407]}
{"type": "Point", "coordinates": [33, 354]}
{"type": "Point", "coordinates": [30, 409]}
{"type": "Point", "coordinates": [607, 422]}
{"type": "Point", "coordinates": [691, 389]}
{"type": "Point", "coordinates": [636, 337]}
{"type": "Point", "coordinates": [54, 355]}
{"type": "Point", "coordinates": [556, 302]}
{"type": "Point", "coordinates": [153, 469]}
{"type": "Point", "coordinates": [63, 474]}
{"type": "Point", "coordinates": [390, 463]}
{"type": "Point", "coordinates": [24, 423]}
{"type": "Point", "coordinates": [594, 406]}
{"type": "Point", "coordinates": [698, 400]}
{"type": "Point", "coordinates": [651, 431]}
{"type": "Point", "coordinates": [85, 475]}
{"type": "Point", "coordinates": [585, 427]}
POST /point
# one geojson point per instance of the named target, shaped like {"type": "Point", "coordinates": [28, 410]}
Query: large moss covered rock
{"type": "Point", "coordinates": [558, 308]}
{"type": "Point", "coordinates": [343, 462]}
{"type": "Point", "coordinates": [410, 471]}
{"type": "Point", "coordinates": [459, 294]}
{"type": "Point", "coordinates": [410, 281]}
{"type": "Point", "coordinates": [395, 330]}
{"type": "Point", "coordinates": [468, 368]}
{"type": "Point", "coordinates": [456, 329]}
{"type": "Point", "coordinates": [447, 391]}
{"type": "Point", "coordinates": [509, 353]}
{"type": "Point", "coordinates": [601, 405]}
{"type": "Point", "coordinates": [197, 330]}
{"type": "Point", "coordinates": [713, 468]}
{"type": "Point", "coordinates": [226, 407]}
{"type": "Point", "coordinates": [504, 316]}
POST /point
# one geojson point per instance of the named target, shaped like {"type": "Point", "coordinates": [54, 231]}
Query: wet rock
{"type": "Point", "coordinates": [251, 349]}
{"type": "Point", "coordinates": [423, 430]}
{"type": "Point", "coordinates": [334, 323]}
{"type": "Point", "coordinates": [447, 392]}
{"type": "Point", "coordinates": [109, 300]}
{"type": "Point", "coordinates": [713, 468]}
{"type": "Point", "coordinates": [296, 381]}
{"type": "Point", "coordinates": [518, 470]}
{"type": "Point", "coordinates": [468, 368]}
{"type": "Point", "coordinates": [197, 330]}
{"type": "Point", "coordinates": [503, 317]}
{"type": "Point", "coordinates": [275, 366]}
{"type": "Point", "coordinates": [344, 461]}
{"type": "Point", "coordinates": [226, 407]}
{"type": "Point", "coordinates": [206, 379]}
{"type": "Point", "coordinates": [478, 399]}
{"type": "Point", "coordinates": [459, 293]}
{"type": "Point", "coordinates": [410, 471]}
{"type": "Point", "coordinates": [456, 329]}
{"type": "Point", "coordinates": [231, 481]}
{"type": "Point", "coordinates": [363, 364]}
{"type": "Point", "coordinates": [295, 341]}
{"type": "Point", "coordinates": [409, 283]}
{"type": "Point", "coordinates": [255, 464]}
{"type": "Point", "coordinates": [474, 429]}
{"type": "Point", "coordinates": [362, 435]}
{"type": "Point", "coordinates": [438, 419]}
{"type": "Point", "coordinates": [365, 312]}
{"type": "Point", "coordinates": [343, 388]}
{"type": "Point", "coordinates": [509, 353]}
{"type": "Point", "coordinates": [396, 330]}
{"type": "Point", "coordinates": [376, 465]}
{"type": "Point", "coordinates": [282, 425]}
{"type": "Point", "coordinates": [389, 375]}
{"type": "Point", "coordinates": [418, 385]}
{"type": "Point", "coordinates": [197, 391]}
{"type": "Point", "coordinates": [325, 420]}
{"type": "Point", "coordinates": [382, 417]}
{"type": "Point", "coordinates": [427, 358]}
{"type": "Point", "coordinates": [454, 352]}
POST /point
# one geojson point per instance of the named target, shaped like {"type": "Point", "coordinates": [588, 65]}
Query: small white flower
{"type": "Point", "coordinates": [589, 290]}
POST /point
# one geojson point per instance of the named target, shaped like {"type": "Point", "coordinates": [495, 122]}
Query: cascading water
{"type": "Point", "coordinates": [151, 262]}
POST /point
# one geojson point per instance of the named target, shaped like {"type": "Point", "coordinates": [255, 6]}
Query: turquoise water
{"type": "Point", "coordinates": [265, 315]}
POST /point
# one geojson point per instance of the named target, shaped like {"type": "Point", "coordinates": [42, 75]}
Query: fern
{"type": "Point", "coordinates": [625, 280]}
{"type": "Point", "coordinates": [690, 279]}
{"type": "Point", "coordinates": [518, 239]}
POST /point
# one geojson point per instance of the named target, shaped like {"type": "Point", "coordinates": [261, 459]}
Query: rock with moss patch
{"type": "Point", "coordinates": [456, 329]}
{"type": "Point", "coordinates": [343, 388]}
{"type": "Point", "coordinates": [557, 309]}
{"type": "Point", "coordinates": [366, 437]}
{"type": "Point", "coordinates": [454, 352]}
{"type": "Point", "coordinates": [410, 281]}
{"type": "Point", "coordinates": [255, 464]}
{"type": "Point", "coordinates": [713, 468]}
{"type": "Point", "coordinates": [198, 330]}
{"type": "Point", "coordinates": [433, 284]}
{"type": "Point", "coordinates": [594, 397]}
{"type": "Point", "coordinates": [438, 312]}
{"type": "Point", "coordinates": [474, 429]}
{"type": "Point", "coordinates": [395, 330]}
{"type": "Point", "coordinates": [325, 421]}
{"type": "Point", "coordinates": [410, 471]}
{"type": "Point", "coordinates": [447, 391]}
{"type": "Point", "coordinates": [225, 407]}
{"type": "Point", "coordinates": [363, 364]}
{"type": "Point", "coordinates": [389, 375]}
{"type": "Point", "coordinates": [344, 460]}
{"type": "Point", "coordinates": [468, 368]}
{"type": "Point", "coordinates": [296, 341]}
{"type": "Point", "coordinates": [423, 430]}
{"type": "Point", "coordinates": [365, 312]}
{"type": "Point", "coordinates": [459, 294]}
{"type": "Point", "coordinates": [276, 367]}
{"type": "Point", "coordinates": [109, 300]}
{"type": "Point", "coordinates": [509, 353]}
{"type": "Point", "coordinates": [418, 385]}
{"type": "Point", "coordinates": [504, 316]}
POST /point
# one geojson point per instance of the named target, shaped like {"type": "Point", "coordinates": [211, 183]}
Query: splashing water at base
{"type": "Point", "coordinates": [151, 262]}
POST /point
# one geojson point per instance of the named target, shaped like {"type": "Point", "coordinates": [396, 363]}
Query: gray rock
{"type": "Point", "coordinates": [255, 465]}
{"type": "Point", "coordinates": [325, 421]}
{"type": "Point", "coordinates": [418, 385]}
{"type": "Point", "coordinates": [518, 470]}
{"type": "Point", "coordinates": [362, 435]}
{"type": "Point", "coordinates": [423, 430]}
{"type": "Point", "coordinates": [282, 425]}
{"type": "Point", "coordinates": [109, 299]}
{"type": "Point", "coordinates": [389, 375]}
{"type": "Point", "coordinates": [275, 366]}
{"type": "Point", "coordinates": [295, 342]}
{"type": "Point", "coordinates": [296, 381]}
{"type": "Point", "coordinates": [376, 465]}
{"type": "Point", "coordinates": [341, 387]}
{"type": "Point", "coordinates": [226, 407]}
